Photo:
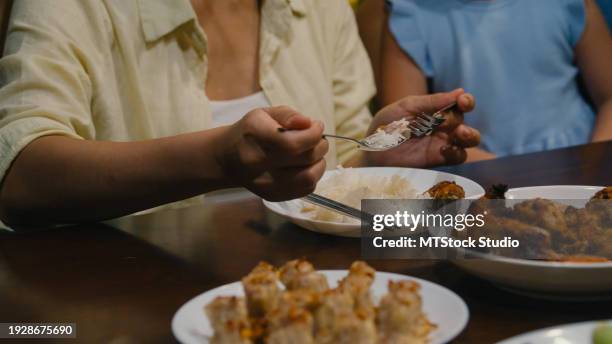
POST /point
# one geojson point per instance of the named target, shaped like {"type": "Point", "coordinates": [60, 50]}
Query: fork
{"type": "Point", "coordinates": [337, 207]}
{"type": "Point", "coordinates": [422, 125]}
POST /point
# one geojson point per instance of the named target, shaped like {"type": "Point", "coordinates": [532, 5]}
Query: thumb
{"type": "Point", "coordinates": [428, 103]}
{"type": "Point", "coordinates": [288, 118]}
{"type": "Point", "coordinates": [438, 101]}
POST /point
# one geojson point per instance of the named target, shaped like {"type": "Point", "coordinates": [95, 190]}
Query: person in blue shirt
{"type": "Point", "coordinates": [524, 61]}
{"type": "Point", "coordinates": [606, 9]}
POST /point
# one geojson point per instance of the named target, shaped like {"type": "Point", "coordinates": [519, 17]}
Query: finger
{"type": "Point", "coordinates": [306, 158]}
{"type": "Point", "coordinates": [454, 117]}
{"type": "Point", "coordinates": [466, 136]}
{"type": "Point", "coordinates": [466, 102]}
{"type": "Point", "coordinates": [295, 142]}
{"type": "Point", "coordinates": [453, 154]}
{"type": "Point", "coordinates": [264, 128]}
{"type": "Point", "coordinates": [429, 103]}
{"type": "Point", "coordinates": [288, 118]}
{"type": "Point", "coordinates": [452, 120]}
{"type": "Point", "coordinates": [301, 181]}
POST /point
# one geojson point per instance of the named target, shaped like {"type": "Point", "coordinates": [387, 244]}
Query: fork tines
{"type": "Point", "coordinates": [424, 124]}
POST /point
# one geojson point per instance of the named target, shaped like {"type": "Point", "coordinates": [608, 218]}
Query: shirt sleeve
{"type": "Point", "coordinates": [575, 11]}
{"type": "Point", "coordinates": [403, 25]}
{"type": "Point", "coordinates": [353, 83]}
{"type": "Point", "coordinates": [44, 85]}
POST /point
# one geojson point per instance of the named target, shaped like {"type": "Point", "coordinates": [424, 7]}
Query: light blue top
{"type": "Point", "coordinates": [515, 56]}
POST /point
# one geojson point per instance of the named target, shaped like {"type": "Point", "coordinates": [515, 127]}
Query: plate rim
{"type": "Point", "coordinates": [519, 337]}
{"type": "Point", "coordinates": [553, 186]}
{"type": "Point", "coordinates": [460, 327]}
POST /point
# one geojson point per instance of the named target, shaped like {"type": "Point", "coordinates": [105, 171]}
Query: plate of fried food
{"type": "Point", "coordinates": [351, 185]}
{"type": "Point", "coordinates": [298, 304]}
{"type": "Point", "coordinates": [566, 241]}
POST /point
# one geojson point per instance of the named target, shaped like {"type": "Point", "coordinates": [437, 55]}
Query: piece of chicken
{"type": "Point", "coordinates": [290, 324]}
{"type": "Point", "coordinates": [446, 190]}
{"type": "Point", "coordinates": [605, 193]}
{"type": "Point", "coordinates": [600, 206]}
{"type": "Point", "coordinates": [400, 318]}
{"type": "Point", "coordinates": [300, 274]}
{"type": "Point", "coordinates": [550, 216]}
{"type": "Point", "coordinates": [261, 289]}
{"type": "Point", "coordinates": [228, 318]}
{"type": "Point", "coordinates": [337, 321]}
{"type": "Point", "coordinates": [357, 283]}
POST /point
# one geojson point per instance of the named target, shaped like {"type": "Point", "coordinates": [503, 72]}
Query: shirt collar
{"type": "Point", "coordinates": [298, 7]}
{"type": "Point", "coordinates": [160, 17]}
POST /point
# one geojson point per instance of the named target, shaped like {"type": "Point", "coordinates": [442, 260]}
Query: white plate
{"type": "Point", "coordinates": [545, 279]}
{"type": "Point", "coordinates": [564, 334]}
{"type": "Point", "coordinates": [420, 179]}
{"type": "Point", "coordinates": [443, 307]}
{"type": "Point", "coordinates": [556, 192]}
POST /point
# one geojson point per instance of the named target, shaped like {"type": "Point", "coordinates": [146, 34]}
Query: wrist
{"type": "Point", "coordinates": [215, 159]}
{"type": "Point", "coordinates": [192, 160]}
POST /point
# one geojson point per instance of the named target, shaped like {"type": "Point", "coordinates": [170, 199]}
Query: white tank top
{"type": "Point", "coordinates": [227, 112]}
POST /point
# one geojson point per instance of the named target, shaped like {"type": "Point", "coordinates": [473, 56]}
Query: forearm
{"type": "Point", "coordinates": [603, 126]}
{"type": "Point", "coordinates": [400, 76]}
{"type": "Point", "coordinates": [57, 179]}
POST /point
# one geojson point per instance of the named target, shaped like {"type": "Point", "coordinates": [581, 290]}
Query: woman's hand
{"type": "Point", "coordinates": [273, 164]}
{"type": "Point", "coordinates": [446, 145]}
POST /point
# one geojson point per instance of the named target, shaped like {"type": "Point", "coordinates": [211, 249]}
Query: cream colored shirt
{"type": "Point", "coordinates": [125, 70]}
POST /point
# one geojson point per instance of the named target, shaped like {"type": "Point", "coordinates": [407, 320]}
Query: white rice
{"type": "Point", "coordinates": [390, 134]}
{"type": "Point", "coordinates": [349, 187]}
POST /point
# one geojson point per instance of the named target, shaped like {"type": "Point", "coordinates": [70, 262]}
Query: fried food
{"type": "Point", "coordinates": [400, 317]}
{"type": "Point", "coordinates": [290, 325]}
{"type": "Point", "coordinates": [550, 216]}
{"type": "Point", "coordinates": [228, 318]}
{"type": "Point", "coordinates": [307, 313]}
{"type": "Point", "coordinates": [300, 274]}
{"type": "Point", "coordinates": [261, 289]}
{"type": "Point", "coordinates": [357, 284]}
{"type": "Point", "coordinates": [547, 229]}
{"type": "Point", "coordinates": [605, 193]}
{"type": "Point", "coordinates": [446, 190]}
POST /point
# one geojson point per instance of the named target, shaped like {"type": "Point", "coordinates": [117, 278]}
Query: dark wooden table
{"type": "Point", "coordinates": [124, 286]}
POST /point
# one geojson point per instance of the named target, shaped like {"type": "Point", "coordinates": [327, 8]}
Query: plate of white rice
{"type": "Point", "coordinates": [350, 185]}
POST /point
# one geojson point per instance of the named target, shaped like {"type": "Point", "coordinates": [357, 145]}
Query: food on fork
{"type": "Point", "coordinates": [390, 134]}
{"type": "Point", "coordinates": [307, 313]}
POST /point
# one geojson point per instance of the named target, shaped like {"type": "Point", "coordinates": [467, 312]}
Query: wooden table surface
{"type": "Point", "coordinates": [124, 286]}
